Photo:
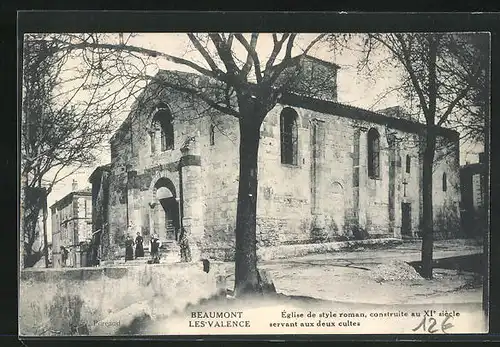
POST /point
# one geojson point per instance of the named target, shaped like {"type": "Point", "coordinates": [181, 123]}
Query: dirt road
{"type": "Point", "coordinates": [378, 276]}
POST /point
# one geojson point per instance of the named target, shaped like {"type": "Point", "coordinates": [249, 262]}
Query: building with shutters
{"type": "Point", "coordinates": [71, 219]}
{"type": "Point", "coordinates": [474, 211]}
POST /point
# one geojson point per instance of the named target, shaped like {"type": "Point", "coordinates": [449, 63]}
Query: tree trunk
{"type": "Point", "coordinates": [427, 215]}
{"type": "Point", "coordinates": [246, 273]}
{"type": "Point", "coordinates": [31, 210]}
{"type": "Point", "coordinates": [22, 224]}
{"type": "Point", "coordinates": [45, 241]}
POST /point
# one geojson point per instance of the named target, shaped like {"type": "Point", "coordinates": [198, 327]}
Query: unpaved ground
{"type": "Point", "coordinates": [364, 280]}
{"type": "Point", "coordinates": [380, 276]}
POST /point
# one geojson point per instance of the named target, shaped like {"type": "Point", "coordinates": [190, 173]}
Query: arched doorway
{"type": "Point", "coordinates": [167, 224]}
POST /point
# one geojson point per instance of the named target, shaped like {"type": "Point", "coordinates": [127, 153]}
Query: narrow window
{"type": "Point", "coordinates": [289, 136]}
{"type": "Point", "coordinates": [152, 136]}
{"type": "Point", "coordinates": [162, 120]}
{"type": "Point", "coordinates": [212, 134]}
{"type": "Point", "coordinates": [373, 153]}
{"type": "Point", "coordinates": [167, 136]}
{"type": "Point", "coordinates": [408, 164]}
{"type": "Point", "coordinates": [163, 140]}
{"type": "Point", "coordinates": [445, 183]}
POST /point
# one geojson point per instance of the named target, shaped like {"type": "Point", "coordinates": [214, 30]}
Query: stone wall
{"type": "Point", "coordinates": [326, 196]}
{"type": "Point", "coordinates": [446, 204]}
{"type": "Point", "coordinates": [220, 165]}
{"type": "Point", "coordinates": [98, 301]}
{"type": "Point", "coordinates": [100, 206]}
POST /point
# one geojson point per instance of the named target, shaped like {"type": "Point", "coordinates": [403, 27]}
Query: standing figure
{"type": "Point", "coordinates": [129, 248]}
{"type": "Point", "coordinates": [184, 245]}
{"type": "Point", "coordinates": [139, 247]}
{"type": "Point", "coordinates": [64, 256]}
{"type": "Point", "coordinates": [155, 249]}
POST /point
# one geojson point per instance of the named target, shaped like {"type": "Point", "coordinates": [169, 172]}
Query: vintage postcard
{"type": "Point", "coordinates": [254, 183]}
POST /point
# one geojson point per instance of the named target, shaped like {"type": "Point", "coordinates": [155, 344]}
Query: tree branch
{"type": "Point", "coordinates": [200, 95]}
{"type": "Point", "coordinates": [278, 44]}
{"type": "Point", "coordinates": [205, 54]}
{"type": "Point", "coordinates": [405, 59]}
{"type": "Point", "coordinates": [141, 50]}
{"type": "Point", "coordinates": [289, 46]}
{"type": "Point", "coordinates": [452, 105]}
{"type": "Point", "coordinates": [313, 42]}
{"type": "Point", "coordinates": [251, 56]}
{"type": "Point", "coordinates": [225, 54]}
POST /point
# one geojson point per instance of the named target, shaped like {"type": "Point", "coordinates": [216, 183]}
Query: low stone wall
{"type": "Point", "coordinates": [288, 251]}
{"type": "Point", "coordinates": [98, 301]}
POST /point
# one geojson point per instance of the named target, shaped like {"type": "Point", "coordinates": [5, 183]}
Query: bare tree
{"type": "Point", "coordinates": [246, 88]}
{"type": "Point", "coordinates": [444, 75]}
{"type": "Point", "coordinates": [61, 132]}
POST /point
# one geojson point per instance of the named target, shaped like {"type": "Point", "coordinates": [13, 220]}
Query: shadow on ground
{"type": "Point", "coordinates": [466, 263]}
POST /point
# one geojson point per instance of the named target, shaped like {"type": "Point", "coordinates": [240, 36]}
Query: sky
{"type": "Point", "coordinates": [354, 88]}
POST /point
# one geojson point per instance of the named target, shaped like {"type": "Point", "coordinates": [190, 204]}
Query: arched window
{"type": "Point", "coordinates": [445, 183]}
{"type": "Point", "coordinates": [373, 153]}
{"type": "Point", "coordinates": [408, 164]}
{"type": "Point", "coordinates": [212, 134]}
{"type": "Point", "coordinates": [162, 122]}
{"type": "Point", "coordinates": [289, 137]}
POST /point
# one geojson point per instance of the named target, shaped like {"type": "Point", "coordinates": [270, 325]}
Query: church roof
{"type": "Point", "coordinates": [473, 168]}
{"type": "Point", "coordinates": [331, 107]}
{"type": "Point", "coordinates": [98, 171]}
{"type": "Point", "coordinates": [342, 110]}
{"type": "Point", "coordinates": [317, 60]}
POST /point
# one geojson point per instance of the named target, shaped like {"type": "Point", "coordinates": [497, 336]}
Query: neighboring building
{"type": "Point", "coordinates": [71, 227]}
{"type": "Point", "coordinates": [473, 189]}
{"type": "Point", "coordinates": [100, 196]}
{"type": "Point", "coordinates": [327, 171]}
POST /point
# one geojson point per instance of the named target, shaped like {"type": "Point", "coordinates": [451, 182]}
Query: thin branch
{"type": "Point", "coordinates": [252, 56]}
{"type": "Point", "coordinates": [278, 44]}
{"type": "Point", "coordinates": [205, 54]}
{"type": "Point", "coordinates": [406, 61]}
{"type": "Point", "coordinates": [141, 50]}
{"type": "Point", "coordinates": [289, 46]}
{"type": "Point", "coordinates": [450, 107]}
{"type": "Point", "coordinates": [313, 42]}
{"type": "Point", "coordinates": [200, 95]}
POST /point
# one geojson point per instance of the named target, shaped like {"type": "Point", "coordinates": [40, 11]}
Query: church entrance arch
{"type": "Point", "coordinates": [167, 223]}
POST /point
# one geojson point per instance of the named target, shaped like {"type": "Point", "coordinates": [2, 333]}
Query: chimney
{"type": "Point", "coordinates": [74, 186]}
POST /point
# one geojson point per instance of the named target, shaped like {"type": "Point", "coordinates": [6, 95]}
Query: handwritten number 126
{"type": "Point", "coordinates": [432, 323]}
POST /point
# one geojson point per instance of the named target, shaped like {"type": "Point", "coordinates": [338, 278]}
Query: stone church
{"type": "Point", "coordinates": [327, 172]}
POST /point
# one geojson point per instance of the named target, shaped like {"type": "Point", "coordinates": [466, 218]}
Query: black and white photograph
{"type": "Point", "coordinates": [268, 183]}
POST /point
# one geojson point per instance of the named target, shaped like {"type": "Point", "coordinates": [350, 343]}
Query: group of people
{"type": "Point", "coordinates": [155, 245]}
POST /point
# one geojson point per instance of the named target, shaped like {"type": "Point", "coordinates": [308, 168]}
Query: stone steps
{"type": "Point", "coordinates": [169, 253]}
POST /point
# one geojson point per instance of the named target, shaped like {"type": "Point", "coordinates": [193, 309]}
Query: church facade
{"type": "Point", "coordinates": [326, 172]}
